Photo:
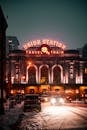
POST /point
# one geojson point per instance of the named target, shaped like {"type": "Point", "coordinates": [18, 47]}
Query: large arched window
{"type": "Point", "coordinates": [44, 75]}
{"type": "Point", "coordinates": [31, 75]}
{"type": "Point", "coordinates": [56, 75]}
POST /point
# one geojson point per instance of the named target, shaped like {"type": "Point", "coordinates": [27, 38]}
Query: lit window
{"type": "Point", "coordinates": [85, 70]}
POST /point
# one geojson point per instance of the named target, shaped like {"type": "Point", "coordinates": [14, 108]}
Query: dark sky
{"type": "Point", "coordinates": [62, 20]}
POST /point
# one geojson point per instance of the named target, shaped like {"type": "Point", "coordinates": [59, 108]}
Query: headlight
{"type": "Point", "coordinates": [61, 100]}
{"type": "Point", "coordinates": [53, 101]}
{"type": "Point", "coordinates": [46, 99]}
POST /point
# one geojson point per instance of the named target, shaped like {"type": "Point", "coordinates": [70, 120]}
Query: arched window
{"type": "Point", "coordinates": [44, 75]}
{"type": "Point", "coordinates": [56, 75]}
{"type": "Point", "coordinates": [32, 75]}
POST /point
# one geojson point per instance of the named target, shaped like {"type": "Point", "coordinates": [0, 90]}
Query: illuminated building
{"type": "Point", "coordinates": [46, 65]}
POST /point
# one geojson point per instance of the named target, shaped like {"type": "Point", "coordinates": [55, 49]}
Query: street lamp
{"type": "Point", "coordinates": [30, 63]}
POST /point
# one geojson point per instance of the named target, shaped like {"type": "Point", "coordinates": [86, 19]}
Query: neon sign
{"type": "Point", "coordinates": [37, 43]}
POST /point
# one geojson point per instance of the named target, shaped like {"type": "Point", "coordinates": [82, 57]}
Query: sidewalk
{"type": "Point", "coordinates": [10, 117]}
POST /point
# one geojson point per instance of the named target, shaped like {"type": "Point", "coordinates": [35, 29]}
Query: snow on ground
{"type": "Point", "coordinates": [11, 116]}
{"type": "Point", "coordinates": [50, 117]}
{"type": "Point", "coordinates": [55, 118]}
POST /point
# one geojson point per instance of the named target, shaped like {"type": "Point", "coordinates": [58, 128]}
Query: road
{"type": "Point", "coordinates": [65, 117]}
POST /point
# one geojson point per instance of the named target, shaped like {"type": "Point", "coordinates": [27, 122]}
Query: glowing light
{"type": "Point", "coordinates": [22, 91]}
{"type": "Point", "coordinates": [23, 77]}
{"type": "Point", "coordinates": [12, 79]}
{"type": "Point", "coordinates": [44, 41]}
{"type": "Point", "coordinates": [46, 99]}
{"type": "Point", "coordinates": [44, 49]}
{"type": "Point", "coordinates": [12, 92]}
{"type": "Point", "coordinates": [61, 100]}
{"type": "Point", "coordinates": [53, 101]}
{"type": "Point", "coordinates": [10, 41]}
{"type": "Point", "coordinates": [77, 91]}
{"type": "Point", "coordinates": [85, 70]}
{"type": "Point", "coordinates": [42, 80]}
{"type": "Point", "coordinates": [29, 63]}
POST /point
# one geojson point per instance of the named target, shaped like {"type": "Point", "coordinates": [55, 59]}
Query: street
{"type": "Point", "coordinates": [65, 117]}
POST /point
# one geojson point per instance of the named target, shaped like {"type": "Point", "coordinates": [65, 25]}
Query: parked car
{"type": "Point", "coordinates": [12, 101]}
{"type": "Point", "coordinates": [19, 98]}
{"type": "Point", "coordinates": [32, 102]}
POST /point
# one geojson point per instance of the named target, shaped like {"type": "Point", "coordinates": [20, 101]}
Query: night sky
{"type": "Point", "coordinates": [61, 20]}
